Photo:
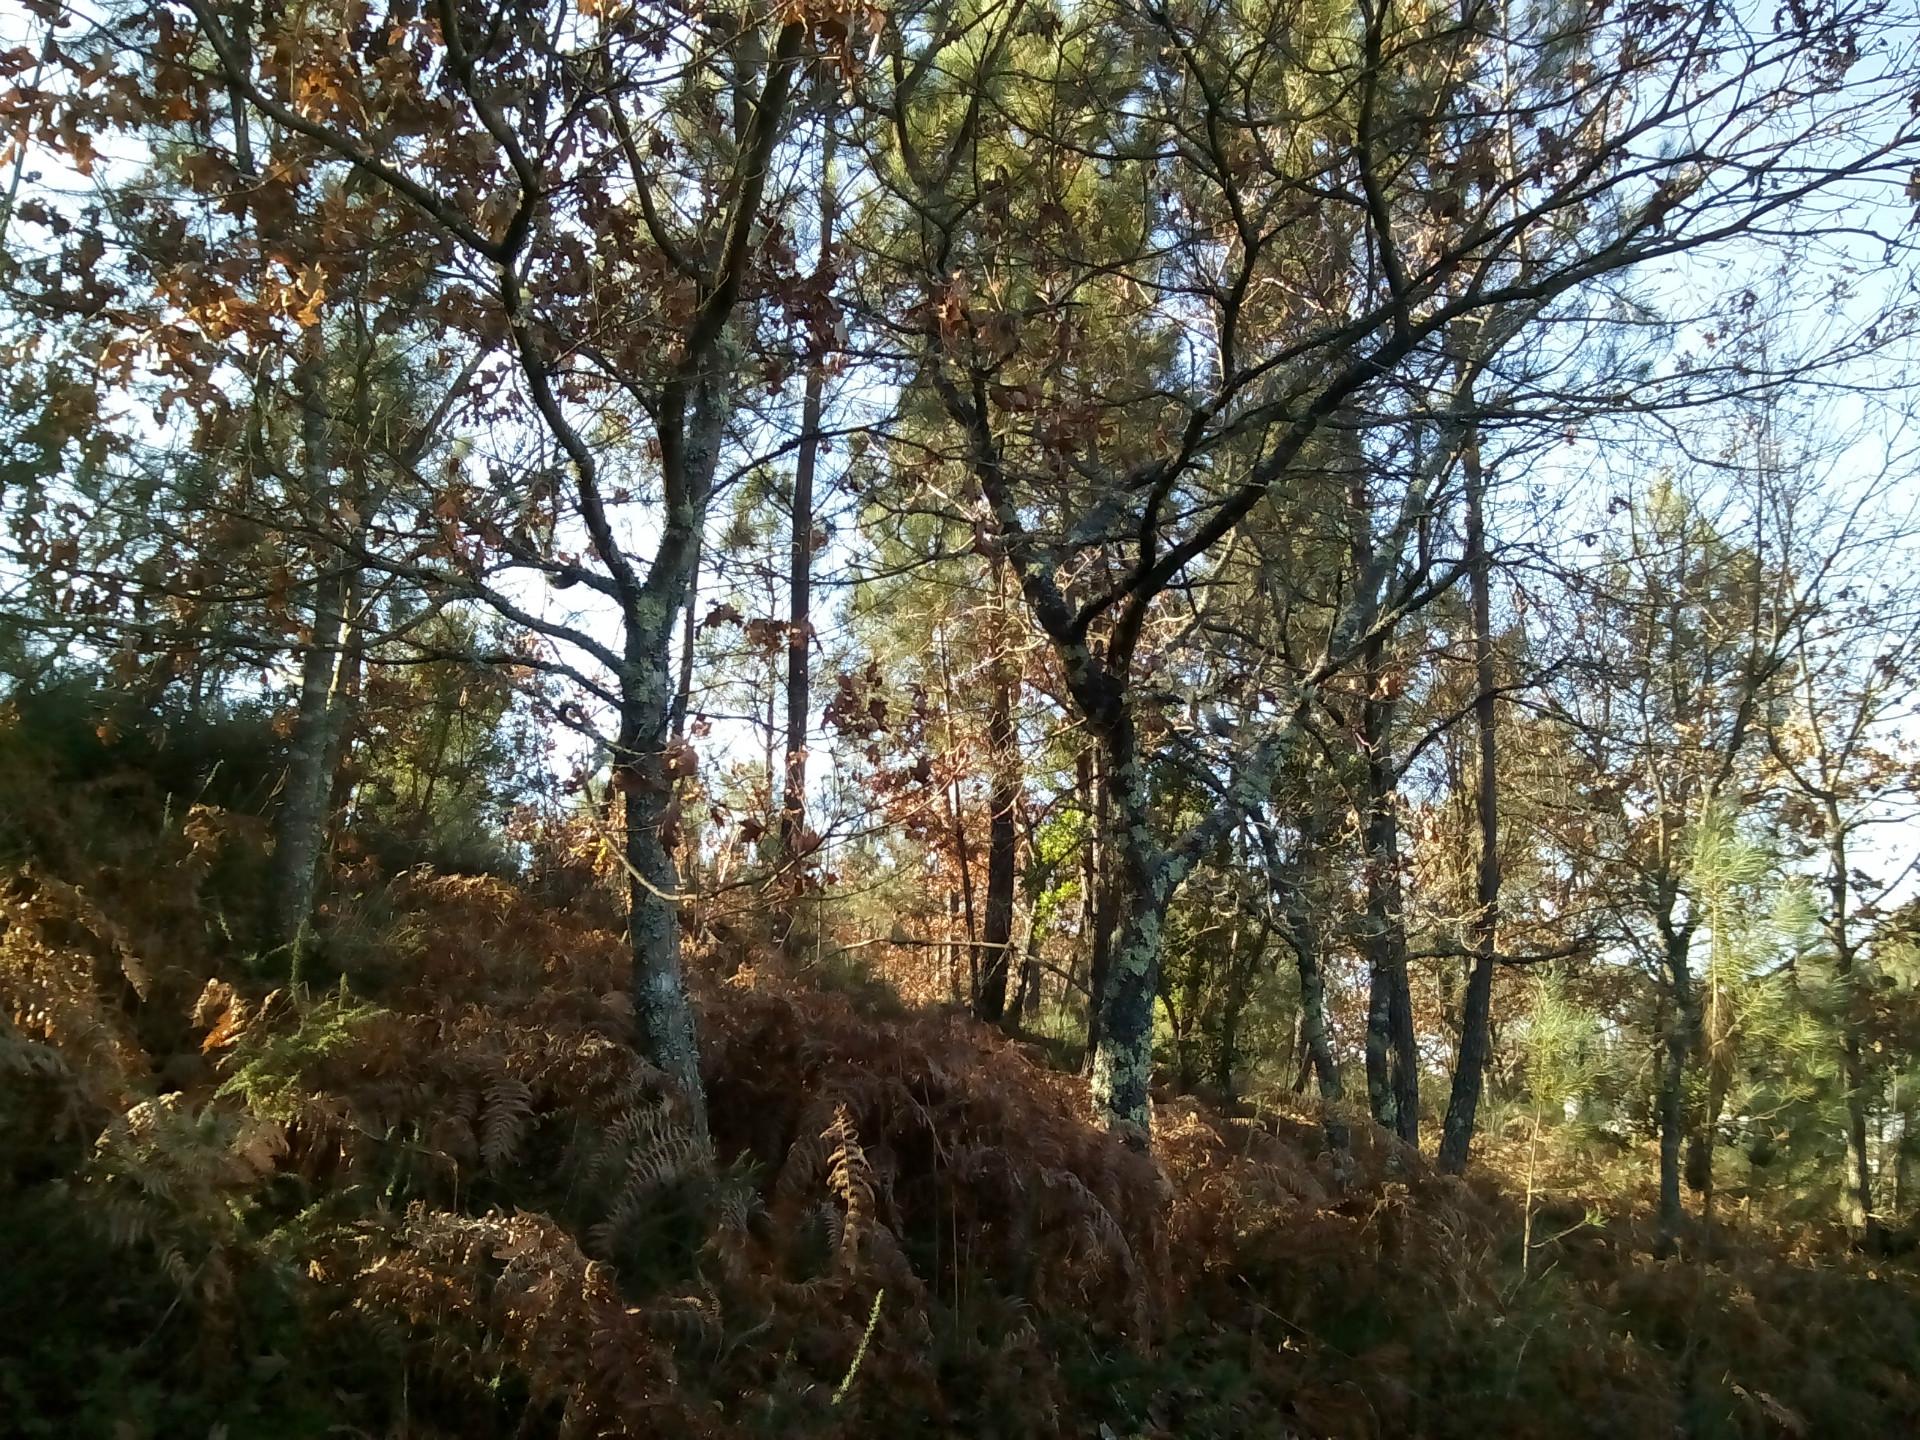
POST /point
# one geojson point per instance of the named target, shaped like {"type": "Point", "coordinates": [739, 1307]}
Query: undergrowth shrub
{"type": "Point", "coordinates": [441, 1195]}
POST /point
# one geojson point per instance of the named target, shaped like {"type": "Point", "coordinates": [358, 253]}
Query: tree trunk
{"type": "Point", "coordinates": [300, 823]}
{"type": "Point", "coordinates": [662, 1013]}
{"type": "Point", "coordinates": [956, 819]}
{"type": "Point", "coordinates": [1378, 1043]}
{"type": "Point", "coordinates": [793, 794]}
{"type": "Point", "coordinates": [1291, 886]}
{"type": "Point", "coordinates": [1393, 1077]}
{"type": "Point", "coordinates": [346, 703]}
{"type": "Point", "coordinates": [650, 774]}
{"type": "Point", "coordinates": [1123, 1057]}
{"type": "Point", "coordinates": [1186, 1019]}
{"type": "Point", "coordinates": [1469, 1070]}
{"type": "Point", "coordinates": [689, 632]}
{"type": "Point", "coordinates": [1101, 892]}
{"type": "Point", "coordinates": [1853, 1071]}
{"type": "Point", "coordinates": [1026, 998]}
{"type": "Point", "coordinates": [1406, 1045]}
{"type": "Point", "coordinates": [1902, 1164]}
{"type": "Point", "coordinates": [1236, 992]}
{"type": "Point", "coordinates": [1672, 1216]}
{"type": "Point", "coordinates": [990, 1000]}
{"type": "Point", "coordinates": [651, 762]}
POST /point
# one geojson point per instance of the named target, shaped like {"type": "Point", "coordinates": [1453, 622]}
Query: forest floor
{"type": "Point", "coordinates": [427, 1191]}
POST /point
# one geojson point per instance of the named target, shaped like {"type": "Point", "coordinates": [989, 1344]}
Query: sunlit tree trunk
{"type": "Point", "coordinates": [651, 762]}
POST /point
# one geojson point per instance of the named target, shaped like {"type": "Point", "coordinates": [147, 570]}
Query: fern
{"type": "Point", "coordinates": [505, 1117]}
{"type": "Point", "coordinates": [273, 1075]}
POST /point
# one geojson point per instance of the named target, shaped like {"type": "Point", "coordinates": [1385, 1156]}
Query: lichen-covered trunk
{"type": "Point", "coordinates": [649, 772]}
{"type": "Point", "coordinates": [1099, 892]}
{"type": "Point", "coordinates": [1123, 1057]}
{"type": "Point", "coordinates": [1123, 1064]}
{"type": "Point", "coordinates": [1319, 1038]}
{"type": "Point", "coordinates": [663, 1015]}
{"type": "Point", "coordinates": [650, 762]}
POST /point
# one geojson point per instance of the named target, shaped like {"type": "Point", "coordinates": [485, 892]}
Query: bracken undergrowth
{"type": "Point", "coordinates": [431, 1191]}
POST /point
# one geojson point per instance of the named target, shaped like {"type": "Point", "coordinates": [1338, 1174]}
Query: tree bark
{"type": "Point", "coordinates": [793, 801]}
{"type": "Point", "coordinates": [1236, 992]}
{"type": "Point", "coordinates": [1290, 881]}
{"type": "Point", "coordinates": [1470, 1065]}
{"type": "Point", "coordinates": [1393, 1077]}
{"type": "Point", "coordinates": [1902, 1164]}
{"type": "Point", "coordinates": [300, 823]}
{"type": "Point", "coordinates": [990, 1000]}
{"type": "Point", "coordinates": [1123, 1055]}
{"type": "Point", "coordinates": [1672, 1216]}
{"type": "Point", "coordinates": [1100, 893]}
{"type": "Point", "coordinates": [347, 681]}
{"type": "Point", "coordinates": [689, 632]}
{"type": "Point", "coordinates": [1002, 842]}
{"type": "Point", "coordinates": [1852, 1060]}
{"type": "Point", "coordinates": [652, 763]}
{"type": "Point", "coordinates": [1026, 997]}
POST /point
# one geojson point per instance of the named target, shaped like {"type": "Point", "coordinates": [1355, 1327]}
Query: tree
{"type": "Point", "coordinates": [1149, 314]}
{"type": "Point", "coordinates": [591, 219]}
{"type": "Point", "coordinates": [1684, 627]}
{"type": "Point", "coordinates": [1832, 733]}
{"type": "Point", "coordinates": [1471, 1062]}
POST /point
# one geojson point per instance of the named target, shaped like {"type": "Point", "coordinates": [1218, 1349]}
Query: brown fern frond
{"type": "Point", "coordinates": [505, 1117]}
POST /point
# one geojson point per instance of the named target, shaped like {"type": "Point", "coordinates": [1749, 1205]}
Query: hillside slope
{"type": "Point", "coordinates": [429, 1191]}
